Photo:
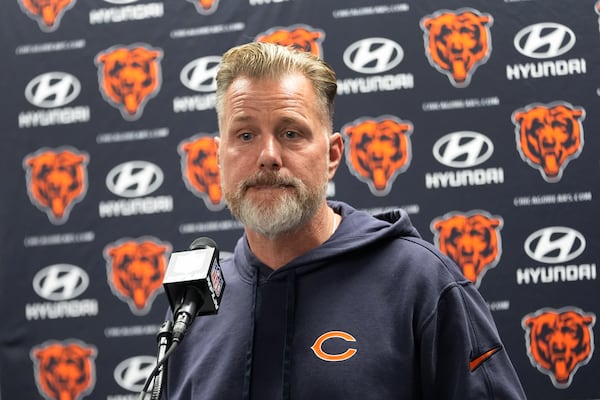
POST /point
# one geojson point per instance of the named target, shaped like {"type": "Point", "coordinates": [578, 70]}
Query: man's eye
{"type": "Point", "coordinates": [246, 136]}
{"type": "Point", "coordinates": [291, 134]}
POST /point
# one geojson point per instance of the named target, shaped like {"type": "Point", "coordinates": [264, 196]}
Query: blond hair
{"type": "Point", "coordinates": [258, 60]}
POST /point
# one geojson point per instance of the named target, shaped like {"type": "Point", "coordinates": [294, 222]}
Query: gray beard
{"type": "Point", "coordinates": [283, 214]}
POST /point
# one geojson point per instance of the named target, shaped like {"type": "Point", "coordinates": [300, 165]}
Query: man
{"type": "Point", "coordinates": [324, 301]}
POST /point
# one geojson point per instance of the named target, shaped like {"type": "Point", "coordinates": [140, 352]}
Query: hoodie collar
{"type": "Point", "coordinates": [357, 229]}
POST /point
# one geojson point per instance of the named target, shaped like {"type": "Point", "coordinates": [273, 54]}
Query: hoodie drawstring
{"type": "Point", "coordinates": [248, 368]}
{"type": "Point", "coordinates": [289, 333]}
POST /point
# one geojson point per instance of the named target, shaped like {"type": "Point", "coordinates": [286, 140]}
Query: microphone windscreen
{"type": "Point", "coordinates": [202, 243]}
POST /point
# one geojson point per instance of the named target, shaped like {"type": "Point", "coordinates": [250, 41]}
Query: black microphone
{"type": "Point", "coordinates": [194, 284]}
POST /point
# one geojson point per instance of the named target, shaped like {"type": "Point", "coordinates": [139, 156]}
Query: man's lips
{"type": "Point", "coordinates": [268, 187]}
{"type": "Point", "coordinates": [268, 182]}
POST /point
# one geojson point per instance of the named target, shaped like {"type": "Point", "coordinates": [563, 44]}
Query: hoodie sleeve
{"type": "Point", "coordinates": [462, 356]}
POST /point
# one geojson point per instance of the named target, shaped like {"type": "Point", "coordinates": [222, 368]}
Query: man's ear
{"type": "Point", "coordinates": [336, 152]}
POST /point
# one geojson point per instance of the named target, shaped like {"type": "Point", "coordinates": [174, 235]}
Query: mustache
{"type": "Point", "coordinates": [269, 179]}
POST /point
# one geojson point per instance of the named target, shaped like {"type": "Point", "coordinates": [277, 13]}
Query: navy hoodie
{"type": "Point", "coordinates": [375, 312]}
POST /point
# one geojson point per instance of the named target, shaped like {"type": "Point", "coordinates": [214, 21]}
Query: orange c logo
{"type": "Point", "coordinates": [318, 350]}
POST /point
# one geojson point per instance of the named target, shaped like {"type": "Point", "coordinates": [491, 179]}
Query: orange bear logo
{"type": "Point", "coordinates": [471, 240]}
{"type": "Point", "coordinates": [205, 7]}
{"type": "Point", "coordinates": [64, 371]}
{"type": "Point", "coordinates": [135, 270]}
{"type": "Point", "coordinates": [200, 170]}
{"type": "Point", "coordinates": [559, 342]}
{"type": "Point", "coordinates": [302, 37]}
{"type": "Point", "coordinates": [457, 42]}
{"type": "Point", "coordinates": [56, 180]}
{"type": "Point", "coordinates": [379, 150]}
{"type": "Point", "coordinates": [129, 77]}
{"type": "Point", "coordinates": [47, 13]}
{"type": "Point", "coordinates": [549, 137]}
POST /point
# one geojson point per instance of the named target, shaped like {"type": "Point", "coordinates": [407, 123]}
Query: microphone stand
{"type": "Point", "coordinates": [163, 338]}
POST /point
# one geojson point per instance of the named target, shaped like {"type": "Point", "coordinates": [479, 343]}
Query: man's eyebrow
{"type": "Point", "coordinates": [290, 120]}
{"type": "Point", "coordinates": [242, 118]}
{"type": "Point", "coordinates": [282, 121]}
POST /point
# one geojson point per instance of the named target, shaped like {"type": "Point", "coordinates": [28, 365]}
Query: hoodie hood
{"type": "Point", "coordinates": [357, 231]}
{"type": "Point", "coordinates": [359, 228]}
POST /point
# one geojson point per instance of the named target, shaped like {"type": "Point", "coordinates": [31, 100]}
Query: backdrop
{"type": "Point", "coordinates": [480, 118]}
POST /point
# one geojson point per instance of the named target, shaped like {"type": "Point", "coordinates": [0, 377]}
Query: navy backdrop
{"type": "Point", "coordinates": [480, 118]}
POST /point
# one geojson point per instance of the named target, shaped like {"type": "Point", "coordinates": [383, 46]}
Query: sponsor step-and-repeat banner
{"type": "Point", "coordinates": [481, 119]}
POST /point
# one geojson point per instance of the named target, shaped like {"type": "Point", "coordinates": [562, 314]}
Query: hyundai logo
{"type": "Point", "coordinates": [134, 179]}
{"type": "Point", "coordinates": [200, 74]}
{"type": "Point", "coordinates": [463, 149]}
{"type": "Point", "coordinates": [60, 282]}
{"type": "Point", "coordinates": [132, 373]}
{"type": "Point", "coordinates": [544, 40]}
{"type": "Point", "coordinates": [556, 244]}
{"type": "Point", "coordinates": [52, 89]}
{"type": "Point", "coordinates": [373, 55]}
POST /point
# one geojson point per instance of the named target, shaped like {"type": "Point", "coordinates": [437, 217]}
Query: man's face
{"type": "Point", "coordinates": [275, 153]}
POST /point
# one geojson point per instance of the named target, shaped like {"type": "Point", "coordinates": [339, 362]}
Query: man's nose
{"type": "Point", "coordinates": [270, 153]}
